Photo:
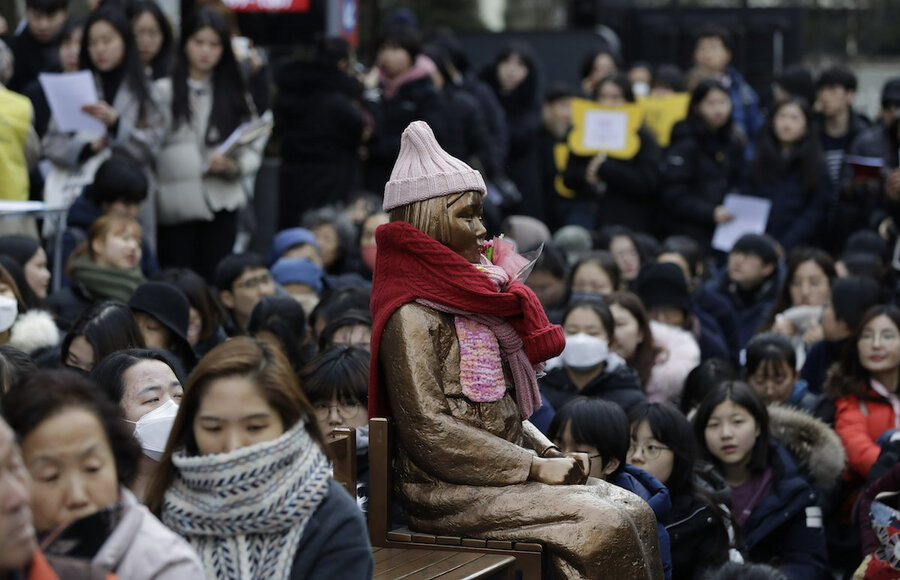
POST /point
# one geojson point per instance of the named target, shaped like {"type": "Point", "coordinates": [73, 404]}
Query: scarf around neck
{"type": "Point", "coordinates": [245, 511]}
{"type": "Point", "coordinates": [411, 266]}
{"type": "Point", "coordinates": [106, 282]}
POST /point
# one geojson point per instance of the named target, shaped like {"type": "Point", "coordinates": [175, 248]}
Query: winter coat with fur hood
{"type": "Point", "coordinates": [814, 445]}
{"type": "Point", "coordinates": [785, 529]}
{"type": "Point", "coordinates": [33, 331]}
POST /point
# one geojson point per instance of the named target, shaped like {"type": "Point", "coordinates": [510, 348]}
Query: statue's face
{"type": "Point", "coordinates": [466, 225]}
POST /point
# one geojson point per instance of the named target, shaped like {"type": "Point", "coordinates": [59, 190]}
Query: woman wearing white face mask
{"type": "Point", "coordinates": [27, 330]}
{"type": "Point", "coordinates": [590, 368]}
{"type": "Point", "coordinates": [145, 383]}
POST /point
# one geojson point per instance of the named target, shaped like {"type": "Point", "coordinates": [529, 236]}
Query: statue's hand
{"type": "Point", "coordinates": [558, 471]}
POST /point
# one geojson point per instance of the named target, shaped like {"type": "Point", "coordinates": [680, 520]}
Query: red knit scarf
{"type": "Point", "coordinates": [412, 266]}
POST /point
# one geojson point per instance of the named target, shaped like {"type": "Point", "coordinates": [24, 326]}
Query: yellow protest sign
{"type": "Point", "coordinates": [661, 114]}
{"type": "Point", "coordinates": [610, 130]}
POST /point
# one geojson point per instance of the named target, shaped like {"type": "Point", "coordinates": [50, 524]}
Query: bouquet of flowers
{"type": "Point", "coordinates": [501, 252]}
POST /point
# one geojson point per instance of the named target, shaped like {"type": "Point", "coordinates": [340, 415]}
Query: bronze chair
{"type": "Point", "coordinates": [342, 452]}
{"type": "Point", "coordinates": [528, 564]}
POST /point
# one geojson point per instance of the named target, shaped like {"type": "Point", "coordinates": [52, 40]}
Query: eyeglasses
{"type": "Point", "coordinates": [883, 337]}
{"type": "Point", "coordinates": [347, 410]}
{"type": "Point", "coordinates": [256, 282]}
{"type": "Point", "coordinates": [648, 452]}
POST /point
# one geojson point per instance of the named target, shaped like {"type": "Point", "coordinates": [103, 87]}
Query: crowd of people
{"type": "Point", "coordinates": [166, 402]}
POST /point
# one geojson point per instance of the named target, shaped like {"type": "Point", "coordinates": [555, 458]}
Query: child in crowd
{"type": "Point", "coordinates": [106, 266]}
{"type": "Point", "coordinates": [599, 429]}
{"type": "Point", "coordinates": [590, 367]}
{"type": "Point", "coordinates": [775, 506]}
{"type": "Point", "coordinates": [700, 526]}
{"type": "Point", "coordinates": [771, 369]}
{"type": "Point", "coordinates": [337, 385]}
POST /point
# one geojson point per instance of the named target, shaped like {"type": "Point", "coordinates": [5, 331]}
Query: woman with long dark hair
{"type": "Point", "coordinates": [129, 106]}
{"type": "Point", "coordinates": [864, 388]}
{"type": "Point", "coordinates": [789, 169]}
{"type": "Point", "coordinates": [246, 430]}
{"type": "Point", "coordinates": [200, 185]}
{"type": "Point", "coordinates": [700, 526]}
{"type": "Point", "coordinates": [154, 38]}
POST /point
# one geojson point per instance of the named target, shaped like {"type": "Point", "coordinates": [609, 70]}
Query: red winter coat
{"type": "Point", "coordinates": [860, 421]}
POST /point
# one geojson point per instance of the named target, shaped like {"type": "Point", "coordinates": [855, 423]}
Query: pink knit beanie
{"type": "Point", "coordinates": [423, 170]}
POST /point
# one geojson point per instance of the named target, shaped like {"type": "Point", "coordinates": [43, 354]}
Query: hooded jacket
{"type": "Point", "coordinates": [816, 448]}
{"type": "Point", "coordinates": [619, 385]}
{"type": "Point", "coordinates": [785, 529]}
{"type": "Point", "coordinates": [701, 167]}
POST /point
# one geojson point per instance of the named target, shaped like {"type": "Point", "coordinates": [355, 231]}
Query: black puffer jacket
{"type": "Point", "coordinates": [629, 194]}
{"type": "Point", "coordinates": [620, 385]}
{"type": "Point", "coordinates": [701, 532]}
{"type": "Point", "coordinates": [320, 122]}
{"type": "Point", "coordinates": [466, 135]}
{"type": "Point", "coordinates": [522, 109]}
{"type": "Point", "coordinates": [701, 167]}
{"type": "Point", "coordinates": [415, 100]}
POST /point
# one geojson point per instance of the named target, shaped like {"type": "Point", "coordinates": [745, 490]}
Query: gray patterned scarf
{"type": "Point", "coordinates": [245, 511]}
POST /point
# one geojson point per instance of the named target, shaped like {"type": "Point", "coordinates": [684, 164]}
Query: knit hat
{"type": "Point", "coordinates": [891, 90]}
{"type": "Point", "coordinates": [757, 245]}
{"type": "Point", "coordinates": [287, 239]}
{"type": "Point", "coordinates": [575, 241]}
{"type": "Point", "coordinates": [423, 170]}
{"type": "Point", "coordinates": [165, 303]}
{"type": "Point", "coordinates": [663, 285]}
{"type": "Point", "coordinates": [298, 271]}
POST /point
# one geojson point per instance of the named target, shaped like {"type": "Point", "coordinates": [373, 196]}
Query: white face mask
{"type": "Point", "coordinates": [584, 351]}
{"type": "Point", "coordinates": [9, 310]}
{"type": "Point", "coordinates": [152, 429]}
{"type": "Point", "coordinates": [640, 89]}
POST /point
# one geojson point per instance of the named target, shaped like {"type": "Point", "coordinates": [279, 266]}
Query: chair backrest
{"type": "Point", "coordinates": [380, 484]}
{"type": "Point", "coordinates": [342, 452]}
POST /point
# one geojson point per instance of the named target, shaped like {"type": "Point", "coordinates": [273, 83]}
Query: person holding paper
{"type": "Point", "coordinates": [200, 182]}
{"type": "Point", "coordinates": [704, 163]}
{"type": "Point", "coordinates": [789, 169]}
{"type": "Point", "coordinates": [616, 191]}
{"type": "Point", "coordinates": [128, 106]}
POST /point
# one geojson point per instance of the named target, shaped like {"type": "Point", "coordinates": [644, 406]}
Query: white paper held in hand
{"type": "Point", "coordinates": [66, 94]}
{"type": "Point", "coordinates": [751, 214]}
{"type": "Point", "coordinates": [605, 130]}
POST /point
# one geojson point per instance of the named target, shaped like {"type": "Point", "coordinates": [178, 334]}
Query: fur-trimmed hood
{"type": "Point", "coordinates": [33, 331]}
{"type": "Point", "coordinates": [813, 444]}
